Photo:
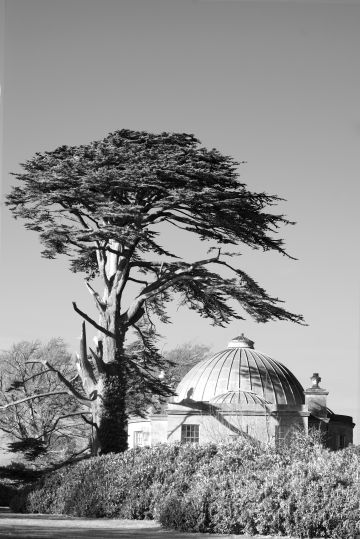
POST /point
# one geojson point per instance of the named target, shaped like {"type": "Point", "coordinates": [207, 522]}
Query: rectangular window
{"type": "Point", "coordinates": [138, 438]}
{"type": "Point", "coordinates": [341, 441]}
{"type": "Point", "coordinates": [190, 433]}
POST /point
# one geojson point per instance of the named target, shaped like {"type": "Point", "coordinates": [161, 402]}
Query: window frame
{"type": "Point", "coordinates": [190, 433]}
{"type": "Point", "coordinates": [138, 434]}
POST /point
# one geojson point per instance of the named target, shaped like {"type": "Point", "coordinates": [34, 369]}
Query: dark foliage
{"type": "Point", "coordinates": [7, 492]}
{"type": "Point", "coordinates": [19, 474]}
{"type": "Point", "coordinates": [301, 490]}
{"type": "Point", "coordinates": [31, 448]}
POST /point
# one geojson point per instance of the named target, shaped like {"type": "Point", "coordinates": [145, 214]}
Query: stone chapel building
{"type": "Point", "coordinates": [240, 391]}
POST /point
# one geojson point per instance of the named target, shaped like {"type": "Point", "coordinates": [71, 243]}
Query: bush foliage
{"type": "Point", "coordinates": [13, 478]}
{"type": "Point", "coordinates": [300, 489]}
{"type": "Point", "coordinates": [7, 492]}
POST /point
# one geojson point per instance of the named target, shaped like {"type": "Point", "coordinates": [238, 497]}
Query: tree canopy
{"type": "Point", "coordinates": [101, 204]}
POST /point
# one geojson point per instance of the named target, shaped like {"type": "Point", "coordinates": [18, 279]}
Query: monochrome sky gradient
{"type": "Point", "coordinates": [273, 83]}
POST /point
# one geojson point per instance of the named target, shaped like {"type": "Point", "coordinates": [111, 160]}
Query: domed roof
{"type": "Point", "coordinates": [241, 368]}
{"type": "Point", "coordinates": [239, 398]}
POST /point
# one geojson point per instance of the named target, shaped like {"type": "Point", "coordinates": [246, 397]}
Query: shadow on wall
{"type": "Point", "coordinates": [232, 428]}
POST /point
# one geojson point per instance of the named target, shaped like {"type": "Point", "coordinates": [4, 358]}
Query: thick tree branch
{"type": "Point", "coordinates": [70, 388]}
{"type": "Point", "coordinates": [136, 311]}
{"type": "Point", "coordinates": [84, 366]}
{"type": "Point", "coordinates": [102, 260]}
{"type": "Point", "coordinates": [121, 278]}
{"type": "Point", "coordinates": [167, 280]}
{"type": "Point", "coordinates": [92, 322]}
{"type": "Point", "coordinates": [132, 315]}
{"type": "Point", "coordinates": [151, 266]}
{"type": "Point", "coordinates": [99, 304]}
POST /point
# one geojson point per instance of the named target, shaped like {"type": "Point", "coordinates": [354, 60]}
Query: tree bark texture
{"type": "Point", "coordinates": [105, 386]}
{"type": "Point", "coordinates": [111, 410]}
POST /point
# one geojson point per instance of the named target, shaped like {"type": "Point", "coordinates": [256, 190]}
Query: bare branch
{"type": "Point", "coordinates": [138, 281]}
{"type": "Point", "coordinates": [32, 397]}
{"type": "Point", "coordinates": [70, 388]}
{"type": "Point", "coordinates": [23, 382]}
{"type": "Point", "coordinates": [100, 305]}
{"type": "Point", "coordinates": [92, 322]}
{"type": "Point", "coordinates": [71, 460]}
{"type": "Point", "coordinates": [12, 432]}
{"type": "Point", "coordinates": [90, 422]}
{"type": "Point", "coordinates": [53, 427]}
{"type": "Point", "coordinates": [84, 366]}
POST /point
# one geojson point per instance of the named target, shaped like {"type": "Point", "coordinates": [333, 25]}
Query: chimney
{"type": "Point", "coordinates": [315, 398]}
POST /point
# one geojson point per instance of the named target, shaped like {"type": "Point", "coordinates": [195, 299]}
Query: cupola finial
{"type": "Point", "coordinates": [241, 342]}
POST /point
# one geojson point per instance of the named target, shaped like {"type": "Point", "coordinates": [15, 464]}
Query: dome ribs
{"type": "Point", "coordinates": [295, 385]}
{"type": "Point", "coordinates": [241, 375]}
{"type": "Point", "coordinates": [191, 379]}
{"type": "Point", "coordinates": [245, 372]}
{"type": "Point", "coordinates": [279, 389]}
{"type": "Point", "coordinates": [239, 398]}
{"type": "Point", "coordinates": [199, 391]}
{"type": "Point", "coordinates": [292, 383]}
{"type": "Point", "coordinates": [288, 390]}
{"type": "Point", "coordinates": [236, 370]}
{"type": "Point", "coordinates": [268, 389]}
{"type": "Point", "coordinates": [233, 376]}
{"type": "Point", "coordinates": [221, 375]}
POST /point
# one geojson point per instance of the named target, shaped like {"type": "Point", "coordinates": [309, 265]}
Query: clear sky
{"type": "Point", "coordinates": [273, 83]}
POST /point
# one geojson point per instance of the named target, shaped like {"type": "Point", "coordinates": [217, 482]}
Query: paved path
{"type": "Point", "coordinates": [60, 526]}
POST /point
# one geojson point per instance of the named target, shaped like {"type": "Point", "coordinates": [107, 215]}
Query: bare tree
{"type": "Point", "coordinates": [37, 414]}
{"type": "Point", "coordinates": [181, 359]}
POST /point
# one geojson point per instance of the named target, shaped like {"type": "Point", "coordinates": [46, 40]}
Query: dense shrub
{"type": "Point", "coordinates": [13, 478]}
{"type": "Point", "coordinates": [7, 492]}
{"type": "Point", "coordinates": [301, 489]}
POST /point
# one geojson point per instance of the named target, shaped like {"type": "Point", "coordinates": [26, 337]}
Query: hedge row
{"type": "Point", "coordinates": [301, 490]}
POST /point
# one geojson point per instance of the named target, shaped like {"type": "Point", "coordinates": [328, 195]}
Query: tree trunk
{"type": "Point", "coordinates": [110, 406]}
